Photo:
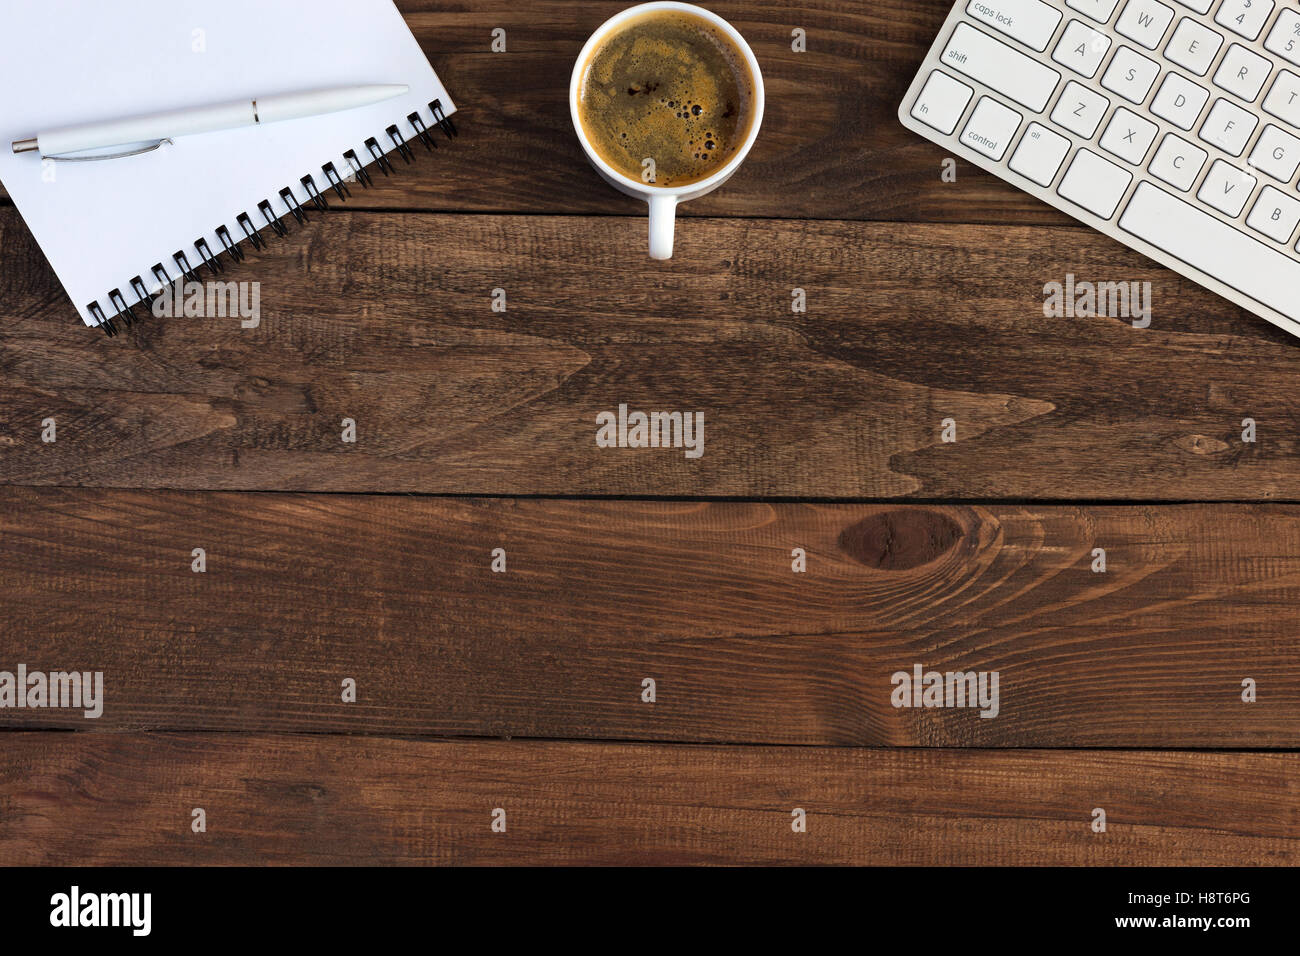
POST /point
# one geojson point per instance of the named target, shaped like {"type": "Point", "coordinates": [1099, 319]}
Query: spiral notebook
{"type": "Point", "coordinates": [117, 232]}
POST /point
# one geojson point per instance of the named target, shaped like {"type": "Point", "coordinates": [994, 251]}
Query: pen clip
{"type": "Point", "coordinates": [95, 159]}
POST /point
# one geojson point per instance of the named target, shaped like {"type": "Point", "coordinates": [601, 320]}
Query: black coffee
{"type": "Point", "coordinates": [670, 87]}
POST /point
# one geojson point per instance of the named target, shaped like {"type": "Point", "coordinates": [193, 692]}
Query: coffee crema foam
{"type": "Point", "coordinates": [671, 87]}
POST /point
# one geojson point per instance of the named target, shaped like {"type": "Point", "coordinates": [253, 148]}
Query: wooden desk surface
{"type": "Point", "coordinates": [475, 430]}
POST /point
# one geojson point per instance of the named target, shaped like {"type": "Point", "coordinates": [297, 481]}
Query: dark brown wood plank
{"type": "Point", "coordinates": [340, 800]}
{"type": "Point", "coordinates": [301, 592]}
{"type": "Point", "coordinates": [831, 146]}
{"type": "Point", "coordinates": [387, 320]}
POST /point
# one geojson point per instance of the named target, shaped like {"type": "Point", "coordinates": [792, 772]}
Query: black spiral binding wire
{"type": "Point", "coordinates": [211, 258]}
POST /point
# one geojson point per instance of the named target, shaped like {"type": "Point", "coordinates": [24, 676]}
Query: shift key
{"type": "Point", "coordinates": [999, 67]}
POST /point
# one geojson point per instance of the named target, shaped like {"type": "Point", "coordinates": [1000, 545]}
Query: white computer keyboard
{"type": "Point", "coordinates": [1173, 127]}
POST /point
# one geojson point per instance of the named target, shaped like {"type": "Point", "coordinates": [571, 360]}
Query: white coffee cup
{"type": "Point", "coordinates": [663, 200]}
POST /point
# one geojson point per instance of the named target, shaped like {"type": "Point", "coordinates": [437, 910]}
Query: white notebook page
{"type": "Point", "coordinates": [72, 61]}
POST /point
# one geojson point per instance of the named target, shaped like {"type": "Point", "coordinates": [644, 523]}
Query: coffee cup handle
{"type": "Point", "coordinates": [663, 216]}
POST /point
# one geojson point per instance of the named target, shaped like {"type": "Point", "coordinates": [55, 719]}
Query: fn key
{"type": "Point", "coordinates": [942, 102]}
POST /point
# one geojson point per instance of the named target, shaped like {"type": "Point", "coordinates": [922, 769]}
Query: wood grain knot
{"type": "Point", "coordinates": [1201, 444]}
{"type": "Point", "coordinates": [900, 540]}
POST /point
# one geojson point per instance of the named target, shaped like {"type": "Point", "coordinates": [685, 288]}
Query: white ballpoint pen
{"type": "Point", "coordinates": [161, 127]}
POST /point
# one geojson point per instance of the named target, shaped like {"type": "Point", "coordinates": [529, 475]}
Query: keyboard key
{"type": "Point", "coordinates": [1226, 188]}
{"type": "Point", "coordinates": [1194, 46]}
{"type": "Point", "coordinates": [1040, 154]}
{"type": "Point", "coordinates": [990, 128]}
{"type": "Point", "coordinates": [1032, 22]}
{"type": "Point", "coordinates": [1130, 74]}
{"type": "Point", "coordinates": [1200, 6]}
{"type": "Point", "coordinates": [1178, 162]}
{"type": "Point", "coordinates": [1228, 127]}
{"type": "Point", "coordinates": [1179, 101]}
{"type": "Point", "coordinates": [1000, 67]}
{"type": "Point", "coordinates": [1275, 215]}
{"type": "Point", "coordinates": [1099, 10]}
{"type": "Point", "coordinates": [1145, 22]}
{"type": "Point", "coordinates": [1242, 72]}
{"type": "Point", "coordinates": [1081, 48]}
{"type": "Point", "coordinates": [1255, 270]}
{"type": "Point", "coordinates": [1276, 154]}
{"type": "Point", "coordinates": [1094, 183]}
{"type": "Point", "coordinates": [1245, 17]}
{"type": "Point", "coordinates": [1080, 109]}
{"type": "Point", "coordinates": [1129, 136]}
{"type": "Point", "coordinates": [1283, 100]}
{"type": "Point", "coordinates": [1284, 38]}
{"type": "Point", "coordinates": [942, 102]}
